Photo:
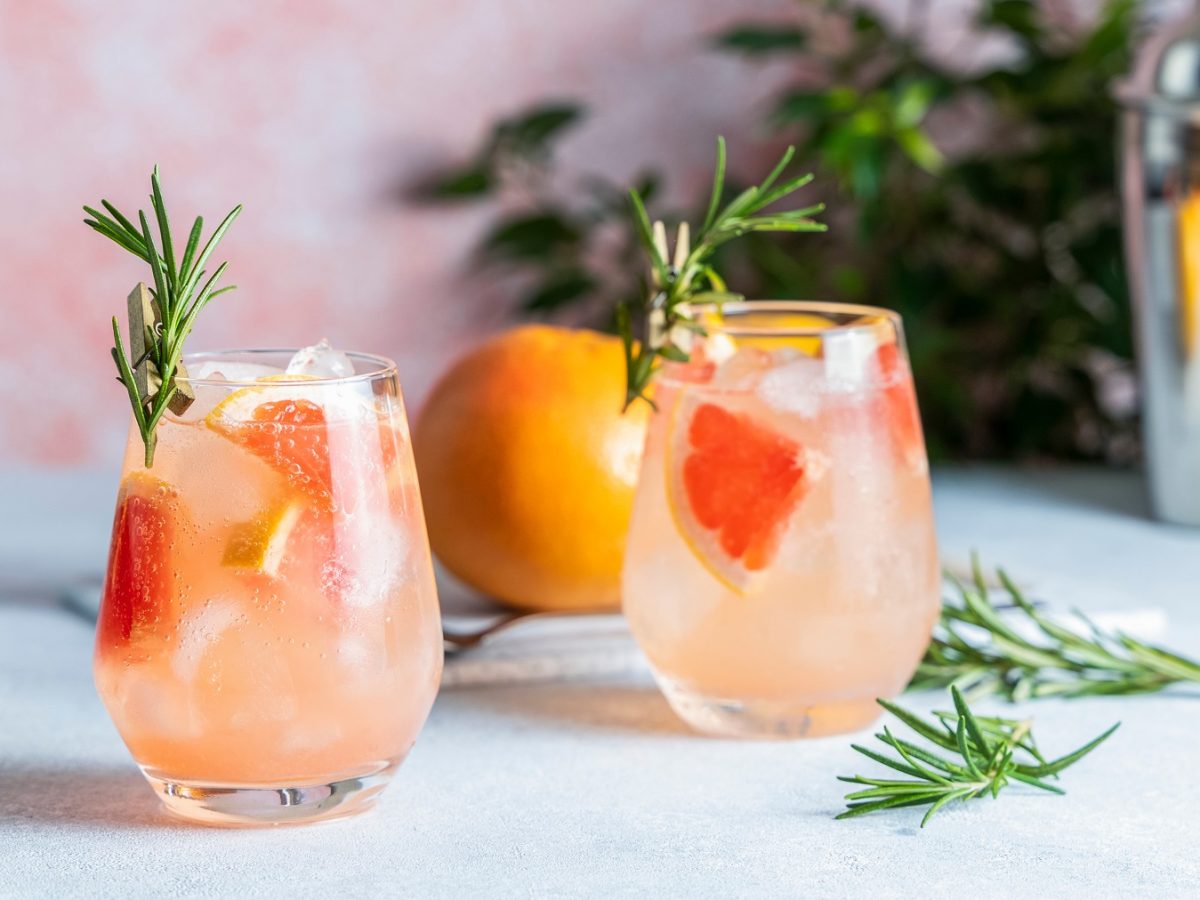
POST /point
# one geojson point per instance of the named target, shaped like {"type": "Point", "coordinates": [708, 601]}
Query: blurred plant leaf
{"type": "Point", "coordinates": [761, 39]}
{"type": "Point", "coordinates": [911, 102]}
{"type": "Point", "coordinates": [800, 106]}
{"type": "Point", "coordinates": [1107, 43]}
{"type": "Point", "coordinates": [863, 22]}
{"type": "Point", "coordinates": [560, 289]}
{"type": "Point", "coordinates": [1018, 17]}
{"type": "Point", "coordinates": [530, 133]}
{"type": "Point", "coordinates": [530, 235]}
{"type": "Point", "coordinates": [920, 149]}
{"type": "Point", "coordinates": [472, 181]}
{"type": "Point", "coordinates": [1005, 257]}
{"type": "Point", "coordinates": [525, 138]}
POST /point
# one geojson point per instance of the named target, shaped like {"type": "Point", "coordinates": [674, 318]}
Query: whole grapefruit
{"type": "Point", "coordinates": [527, 467]}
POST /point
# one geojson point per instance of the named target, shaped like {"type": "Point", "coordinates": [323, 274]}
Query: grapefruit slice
{"type": "Point", "coordinates": [732, 484]}
{"type": "Point", "coordinates": [139, 590]}
{"type": "Point", "coordinates": [289, 429]}
{"type": "Point", "coordinates": [900, 401]}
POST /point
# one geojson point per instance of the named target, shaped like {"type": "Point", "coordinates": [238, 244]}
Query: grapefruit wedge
{"type": "Point", "coordinates": [732, 485]}
{"type": "Point", "coordinates": [289, 428]}
{"type": "Point", "coordinates": [900, 402]}
{"type": "Point", "coordinates": [140, 589]}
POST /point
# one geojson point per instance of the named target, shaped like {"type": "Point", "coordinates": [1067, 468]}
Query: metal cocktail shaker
{"type": "Point", "coordinates": [1160, 148]}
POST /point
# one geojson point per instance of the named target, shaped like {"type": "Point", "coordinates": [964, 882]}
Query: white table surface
{"type": "Point", "coordinates": [596, 789]}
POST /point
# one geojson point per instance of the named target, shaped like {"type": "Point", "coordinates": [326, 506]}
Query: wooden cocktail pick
{"type": "Point", "coordinates": [145, 322]}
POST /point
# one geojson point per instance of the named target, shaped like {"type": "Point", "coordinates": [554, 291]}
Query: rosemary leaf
{"type": "Point", "coordinates": [1058, 662]}
{"type": "Point", "coordinates": [175, 292]}
{"type": "Point", "coordinates": [989, 752]}
{"type": "Point", "coordinates": [691, 279]}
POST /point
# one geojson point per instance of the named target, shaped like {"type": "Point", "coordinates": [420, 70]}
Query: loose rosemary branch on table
{"type": "Point", "coordinates": [180, 291]}
{"type": "Point", "coordinates": [980, 755]}
{"type": "Point", "coordinates": [686, 277]}
{"type": "Point", "coordinates": [979, 649]}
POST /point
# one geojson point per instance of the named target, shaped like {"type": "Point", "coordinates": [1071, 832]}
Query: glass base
{"type": "Point", "coordinates": [210, 803]}
{"type": "Point", "coordinates": [759, 719]}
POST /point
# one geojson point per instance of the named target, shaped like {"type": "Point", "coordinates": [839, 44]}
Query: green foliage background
{"type": "Point", "coordinates": [1002, 254]}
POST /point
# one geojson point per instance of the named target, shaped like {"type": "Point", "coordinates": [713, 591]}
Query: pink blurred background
{"type": "Point", "coordinates": [315, 116]}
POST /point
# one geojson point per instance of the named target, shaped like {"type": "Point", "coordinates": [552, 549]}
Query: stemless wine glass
{"type": "Point", "coordinates": [269, 642]}
{"type": "Point", "coordinates": [781, 571]}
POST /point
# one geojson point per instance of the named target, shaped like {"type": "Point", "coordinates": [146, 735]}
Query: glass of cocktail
{"type": "Point", "coordinates": [781, 571]}
{"type": "Point", "coordinates": [269, 643]}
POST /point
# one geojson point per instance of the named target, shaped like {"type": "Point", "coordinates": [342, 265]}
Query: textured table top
{"type": "Point", "coordinates": [596, 789]}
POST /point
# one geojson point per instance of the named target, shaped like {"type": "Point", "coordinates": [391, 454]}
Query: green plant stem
{"type": "Point", "coordinates": [985, 754]}
{"type": "Point", "coordinates": [979, 649]}
{"type": "Point", "coordinates": [177, 292]}
{"type": "Point", "coordinates": [680, 280]}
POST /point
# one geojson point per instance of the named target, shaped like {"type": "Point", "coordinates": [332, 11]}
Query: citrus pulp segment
{"type": "Point", "coordinates": [289, 427]}
{"type": "Point", "coordinates": [900, 399]}
{"type": "Point", "coordinates": [139, 589]}
{"type": "Point", "coordinates": [732, 484]}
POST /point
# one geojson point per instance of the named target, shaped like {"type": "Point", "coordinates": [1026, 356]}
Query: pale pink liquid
{"type": "Point", "coordinates": [844, 610]}
{"type": "Point", "coordinates": [324, 667]}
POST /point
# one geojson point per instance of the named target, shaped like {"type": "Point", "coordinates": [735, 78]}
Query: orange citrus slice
{"type": "Point", "coordinates": [732, 484]}
{"type": "Point", "coordinates": [781, 323]}
{"type": "Point", "coordinates": [139, 589]}
{"type": "Point", "coordinates": [258, 545]}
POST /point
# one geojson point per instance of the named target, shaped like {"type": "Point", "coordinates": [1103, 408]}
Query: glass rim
{"type": "Point", "coordinates": [381, 367]}
{"type": "Point", "coordinates": [730, 310]}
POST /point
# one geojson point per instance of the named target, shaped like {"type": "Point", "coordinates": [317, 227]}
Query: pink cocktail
{"type": "Point", "coordinates": [269, 643]}
{"type": "Point", "coordinates": [781, 570]}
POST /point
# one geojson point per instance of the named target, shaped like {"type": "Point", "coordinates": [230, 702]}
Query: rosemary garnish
{"type": "Point", "coordinates": [987, 753]}
{"type": "Point", "coordinates": [978, 649]}
{"type": "Point", "coordinates": [179, 292]}
{"type": "Point", "coordinates": [680, 280]}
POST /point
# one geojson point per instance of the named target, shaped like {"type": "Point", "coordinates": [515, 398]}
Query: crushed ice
{"type": "Point", "coordinates": [795, 386]}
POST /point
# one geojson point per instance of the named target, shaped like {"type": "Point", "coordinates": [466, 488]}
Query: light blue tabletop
{"type": "Point", "coordinates": [595, 789]}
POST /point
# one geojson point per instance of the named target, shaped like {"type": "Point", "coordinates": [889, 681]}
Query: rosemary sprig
{"type": "Point", "coordinates": [978, 649]}
{"type": "Point", "coordinates": [687, 277]}
{"type": "Point", "coordinates": [986, 754]}
{"type": "Point", "coordinates": [179, 292]}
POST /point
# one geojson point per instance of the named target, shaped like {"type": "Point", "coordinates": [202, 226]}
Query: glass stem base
{"type": "Point", "coordinates": [763, 719]}
{"type": "Point", "coordinates": [211, 803]}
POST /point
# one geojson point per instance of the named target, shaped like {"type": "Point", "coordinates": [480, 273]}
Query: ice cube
{"type": "Point", "coordinates": [794, 387]}
{"type": "Point", "coordinates": [847, 357]}
{"type": "Point", "coordinates": [321, 360]}
{"type": "Point", "coordinates": [199, 629]}
{"type": "Point", "coordinates": [742, 371]}
{"type": "Point", "coordinates": [159, 707]}
{"type": "Point", "coordinates": [374, 561]}
{"type": "Point", "coordinates": [717, 347]}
